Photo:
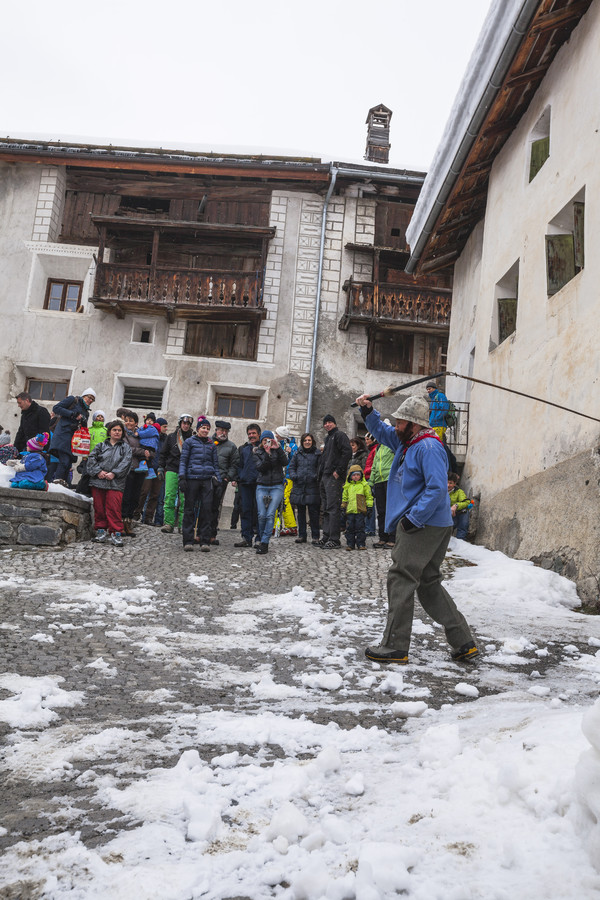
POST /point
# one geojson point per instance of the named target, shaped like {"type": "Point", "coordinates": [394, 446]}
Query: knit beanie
{"type": "Point", "coordinates": [329, 418]}
{"type": "Point", "coordinates": [37, 443]}
{"type": "Point", "coordinates": [89, 391]}
{"type": "Point", "coordinates": [202, 420]}
{"type": "Point", "coordinates": [99, 412]}
{"type": "Point", "coordinates": [267, 434]}
{"type": "Point", "coordinates": [161, 421]}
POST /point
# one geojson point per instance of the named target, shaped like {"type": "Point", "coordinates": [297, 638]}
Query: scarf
{"type": "Point", "coordinates": [427, 433]}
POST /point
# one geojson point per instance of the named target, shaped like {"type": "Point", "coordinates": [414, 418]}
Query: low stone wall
{"type": "Point", "coordinates": [51, 519]}
{"type": "Point", "coordinates": [553, 519]}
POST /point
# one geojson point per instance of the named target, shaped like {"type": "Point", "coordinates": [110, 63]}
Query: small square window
{"type": "Point", "coordinates": [565, 244]}
{"type": "Point", "coordinates": [63, 296]}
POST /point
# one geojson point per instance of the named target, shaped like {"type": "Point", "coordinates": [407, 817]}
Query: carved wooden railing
{"type": "Point", "coordinates": [177, 287]}
{"type": "Point", "coordinates": [397, 303]}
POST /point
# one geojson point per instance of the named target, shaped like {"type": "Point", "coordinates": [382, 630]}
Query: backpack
{"type": "Point", "coordinates": [451, 415]}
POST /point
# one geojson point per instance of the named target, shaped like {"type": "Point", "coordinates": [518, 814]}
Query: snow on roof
{"type": "Point", "coordinates": [498, 26]}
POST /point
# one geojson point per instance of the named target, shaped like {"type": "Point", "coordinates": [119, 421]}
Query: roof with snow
{"type": "Point", "coordinates": [517, 45]}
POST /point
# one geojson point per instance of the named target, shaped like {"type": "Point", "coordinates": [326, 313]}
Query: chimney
{"type": "Point", "coordinates": [378, 134]}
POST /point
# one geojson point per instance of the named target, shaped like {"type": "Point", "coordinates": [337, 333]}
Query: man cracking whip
{"type": "Point", "coordinates": [418, 511]}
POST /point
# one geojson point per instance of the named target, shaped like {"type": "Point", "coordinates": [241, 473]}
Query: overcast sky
{"type": "Point", "coordinates": [268, 75]}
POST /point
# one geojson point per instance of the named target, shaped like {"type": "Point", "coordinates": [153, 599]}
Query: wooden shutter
{"type": "Point", "coordinates": [560, 260]}
{"type": "Point", "coordinates": [540, 151]}
{"type": "Point", "coordinates": [578, 217]}
{"type": "Point", "coordinates": [507, 317]}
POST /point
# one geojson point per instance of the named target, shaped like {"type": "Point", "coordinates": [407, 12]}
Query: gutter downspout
{"type": "Point", "coordinates": [362, 176]}
{"type": "Point", "coordinates": [518, 31]}
{"type": "Point", "coordinates": [313, 361]}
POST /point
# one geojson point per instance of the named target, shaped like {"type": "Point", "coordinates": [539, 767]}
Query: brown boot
{"type": "Point", "coordinates": [127, 528]}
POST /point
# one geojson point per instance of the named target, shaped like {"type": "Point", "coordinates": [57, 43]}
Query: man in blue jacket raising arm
{"type": "Point", "coordinates": [418, 511]}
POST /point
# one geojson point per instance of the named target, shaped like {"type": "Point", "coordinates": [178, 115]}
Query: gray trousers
{"type": "Point", "coordinates": [416, 562]}
{"type": "Point", "coordinates": [332, 489]}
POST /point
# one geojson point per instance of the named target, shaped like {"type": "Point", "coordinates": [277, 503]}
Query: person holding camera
{"type": "Point", "coordinates": [271, 461]}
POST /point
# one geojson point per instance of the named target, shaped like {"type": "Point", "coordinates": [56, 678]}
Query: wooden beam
{"type": "Point", "coordinates": [440, 263]}
{"type": "Point", "coordinates": [559, 17]}
{"type": "Point", "coordinates": [534, 74]}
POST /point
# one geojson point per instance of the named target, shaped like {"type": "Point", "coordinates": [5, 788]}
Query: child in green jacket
{"type": "Point", "coordinates": [460, 507]}
{"type": "Point", "coordinates": [357, 500]}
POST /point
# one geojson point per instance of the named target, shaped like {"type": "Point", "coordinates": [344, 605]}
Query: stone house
{"type": "Point", "coordinates": [510, 208]}
{"type": "Point", "coordinates": [244, 287]}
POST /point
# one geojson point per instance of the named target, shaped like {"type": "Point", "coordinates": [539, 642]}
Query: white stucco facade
{"type": "Point", "coordinates": [553, 352]}
{"type": "Point", "coordinates": [95, 348]}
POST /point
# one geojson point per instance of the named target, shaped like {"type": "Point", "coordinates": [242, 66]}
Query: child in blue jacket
{"type": "Point", "coordinates": [31, 469]}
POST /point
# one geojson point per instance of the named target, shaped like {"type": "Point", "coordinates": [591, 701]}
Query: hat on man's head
{"type": "Point", "coordinates": [161, 421]}
{"type": "Point", "coordinates": [267, 434]}
{"type": "Point", "coordinates": [38, 442]}
{"type": "Point", "coordinates": [220, 423]}
{"type": "Point", "coordinates": [431, 384]}
{"type": "Point", "coordinates": [414, 409]}
{"type": "Point", "coordinates": [89, 391]}
{"type": "Point", "coordinates": [202, 420]}
{"type": "Point", "coordinates": [329, 418]}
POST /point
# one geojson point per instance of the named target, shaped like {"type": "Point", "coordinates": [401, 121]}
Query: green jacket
{"type": "Point", "coordinates": [382, 464]}
{"type": "Point", "coordinates": [460, 498]}
{"type": "Point", "coordinates": [98, 434]}
{"type": "Point", "coordinates": [357, 494]}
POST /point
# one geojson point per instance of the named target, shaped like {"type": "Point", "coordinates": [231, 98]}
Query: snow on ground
{"type": "Point", "coordinates": [493, 795]}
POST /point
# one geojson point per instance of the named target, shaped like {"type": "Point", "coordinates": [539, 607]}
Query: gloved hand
{"type": "Point", "coordinates": [407, 526]}
{"type": "Point", "coordinates": [182, 484]}
{"type": "Point", "coordinates": [160, 474]}
{"type": "Point", "coordinates": [13, 463]}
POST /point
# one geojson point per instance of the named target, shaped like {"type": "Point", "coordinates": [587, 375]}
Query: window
{"type": "Point", "coordinates": [142, 396]}
{"type": "Point", "coordinates": [223, 340]}
{"type": "Point", "coordinates": [47, 390]}
{"type": "Point", "coordinates": [539, 144]}
{"type": "Point", "coordinates": [63, 296]}
{"type": "Point", "coordinates": [142, 333]}
{"type": "Point", "coordinates": [565, 244]}
{"type": "Point", "coordinates": [390, 351]}
{"type": "Point", "coordinates": [504, 315]}
{"type": "Point", "coordinates": [236, 406]}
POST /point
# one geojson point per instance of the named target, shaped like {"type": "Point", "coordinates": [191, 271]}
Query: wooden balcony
{"type": "Point", "coordinates": [177, 293]}
{"type": "Point", "coordinates": [371, 303]}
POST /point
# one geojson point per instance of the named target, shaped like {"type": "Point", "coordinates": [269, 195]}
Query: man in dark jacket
{"type": "Point", "coordinates": [198, 466]}
{"type": "Point", "coordinates": [334, 464]}
{"type": "Point", "coordinates": [228, 456]}
{"type": "Point", "coordinates": [35, 419]}
{"type": "Point", "coordinates": [246, 479]}
{"type": "Point", "coordinates": [73, 413]}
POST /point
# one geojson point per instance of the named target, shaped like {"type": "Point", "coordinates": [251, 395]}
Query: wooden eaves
{"type": "Point", "coordinates": [550, 27]}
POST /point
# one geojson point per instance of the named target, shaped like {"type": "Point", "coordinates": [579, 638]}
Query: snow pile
{"type": "Point", "coordinates": [34, 699]}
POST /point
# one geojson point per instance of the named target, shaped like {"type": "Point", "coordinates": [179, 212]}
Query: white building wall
{"type": "Point", "coordinates": [537, 468]}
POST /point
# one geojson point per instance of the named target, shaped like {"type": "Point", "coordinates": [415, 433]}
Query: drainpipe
{"type": "Point", "coordinates": [518, 31]}
{"type": "Point", "coordinates": [313, 361]}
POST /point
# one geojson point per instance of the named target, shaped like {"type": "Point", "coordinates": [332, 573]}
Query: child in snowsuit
{"type": "Point", "coordinates": [357, 500]}
{"type": "Point", "coordinates": [460, 507]}
{"type": "Point", "coordinates": [31, 469]}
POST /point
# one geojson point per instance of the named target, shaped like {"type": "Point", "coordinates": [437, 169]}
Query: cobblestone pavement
{"type": "Point", "coordinates": [150, 634]}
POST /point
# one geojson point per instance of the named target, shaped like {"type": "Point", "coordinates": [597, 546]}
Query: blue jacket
{"type": "Point", "coordinates": [247, 471]}
{"type": "Point", "coordinates": [199, 461]}
{"type": "Point", "coordinates": [68, 410]}
{"type": "Point", "coordinates": [417, 488]}
{"type": "Point", "coordinates": [438, 407]}
{"type": "Point", "coordinates": [149, 437]}
{"type": "Point", "coordinates": [35, 468]}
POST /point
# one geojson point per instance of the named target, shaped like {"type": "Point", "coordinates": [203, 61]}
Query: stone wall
{"type": "Point", "coordinates": [552, 519]}
{"type": "Point", "coordinates": [32, 518]}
